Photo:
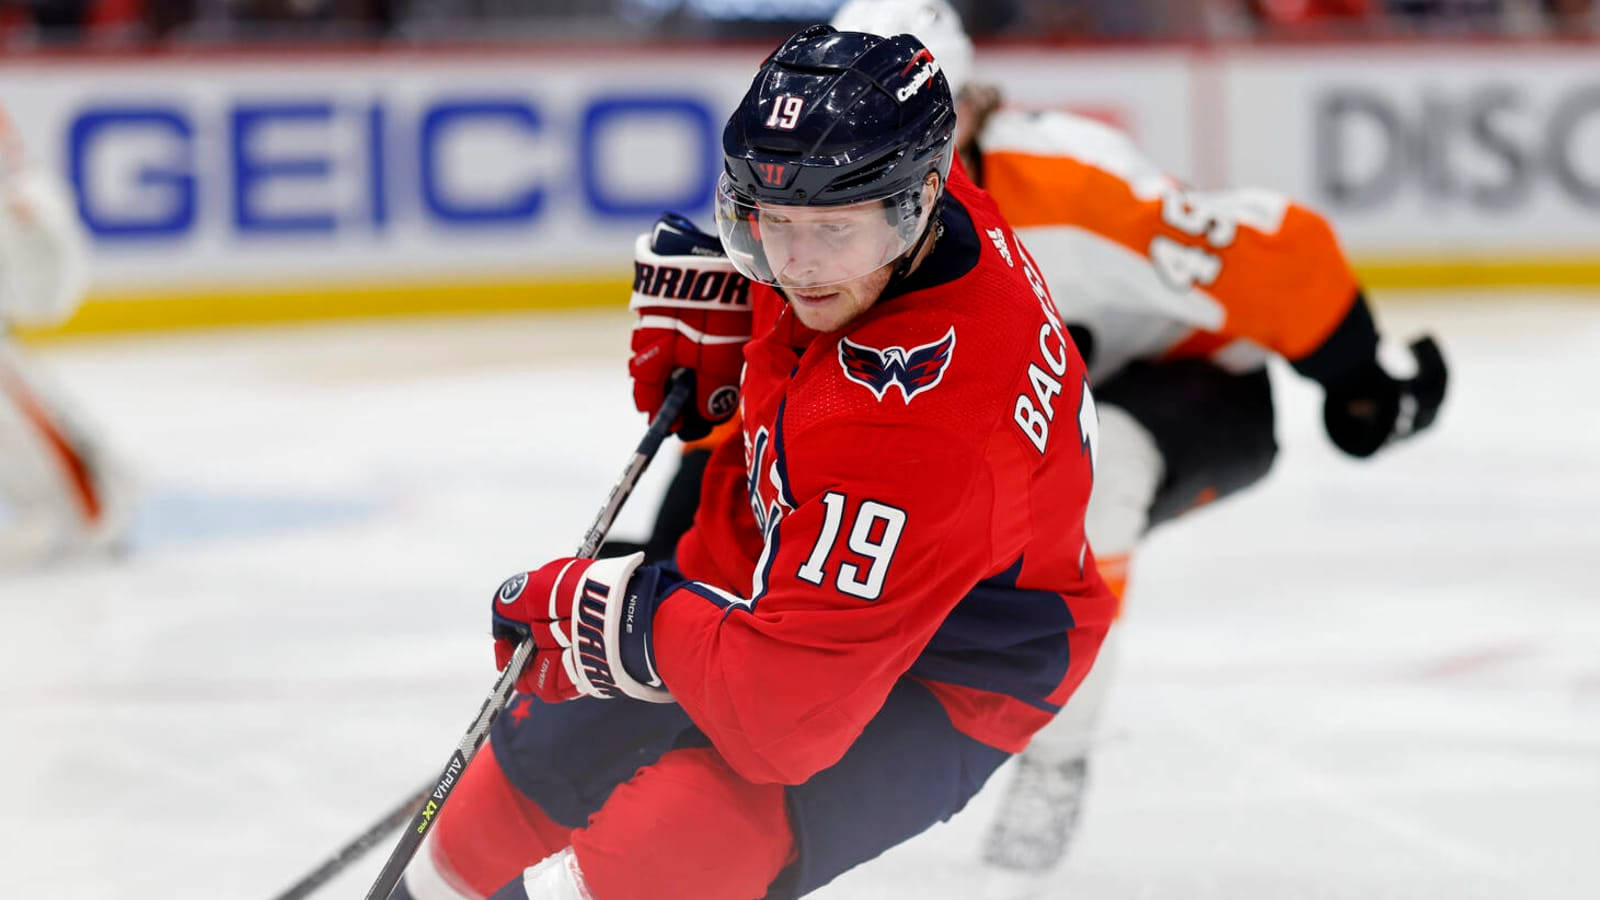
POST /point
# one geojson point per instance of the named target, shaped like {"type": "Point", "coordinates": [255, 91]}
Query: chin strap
{"type": "Point", "coordinates": [930, 235]}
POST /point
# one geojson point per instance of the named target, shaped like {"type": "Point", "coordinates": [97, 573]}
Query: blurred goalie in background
{"type": "Point", "coordinates": [1176, 298]}
{"type": "Point", "coordinates": [58, 496]}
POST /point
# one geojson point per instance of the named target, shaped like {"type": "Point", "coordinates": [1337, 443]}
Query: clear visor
{"type": "Point", "coordinates": [801, 247]}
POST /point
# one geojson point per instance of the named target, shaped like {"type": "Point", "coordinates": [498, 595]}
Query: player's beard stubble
{"type": "Point", "coordinates": [837, 305]}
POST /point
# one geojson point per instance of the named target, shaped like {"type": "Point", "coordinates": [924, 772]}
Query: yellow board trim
{"type": "Point", "coordinates": [119, 313]}
{"type": "Point", "coordinates": [103, 313]}
{"type": "Point", "coordinates": [1504, 273]}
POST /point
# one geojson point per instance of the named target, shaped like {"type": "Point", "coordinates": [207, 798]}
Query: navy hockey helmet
{"type": "Point", "coordinates": [835, 122]}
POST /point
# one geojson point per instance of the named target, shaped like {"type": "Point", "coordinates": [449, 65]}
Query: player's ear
{"type": "Point", "coordinates": [931, 187]}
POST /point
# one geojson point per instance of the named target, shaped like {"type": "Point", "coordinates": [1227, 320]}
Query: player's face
{"type": "Point", "coordinates": [833, 307]}
{"type": "Point", "coordinates": [831, 262]}
{"type": "Point", "coordinates": [817, 254]}
{"type": "Point", "coordinates": [815, 246]}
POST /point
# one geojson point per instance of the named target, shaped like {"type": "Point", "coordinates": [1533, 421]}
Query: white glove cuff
{"type": "Point", "coordinates": [600, 609]}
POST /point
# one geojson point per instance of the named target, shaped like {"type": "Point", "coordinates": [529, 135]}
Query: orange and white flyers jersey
{"type": "Point", "coordinates": [1155, 270]}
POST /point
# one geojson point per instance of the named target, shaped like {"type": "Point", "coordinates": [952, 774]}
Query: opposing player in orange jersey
{"type": "Point", "coordinates": [58, 495]}
{"type": "Point", "coordinates": [1177, 298]}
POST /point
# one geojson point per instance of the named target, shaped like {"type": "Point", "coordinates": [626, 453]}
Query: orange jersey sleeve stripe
{"type": "Point", "coordinates": [718, 434]}
{"type": "Point", "coordinates": [1198, 344]}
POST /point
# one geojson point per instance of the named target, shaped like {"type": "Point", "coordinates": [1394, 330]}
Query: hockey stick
{"type": "Point", "coordinates": [356, 848]}
{"type": "Point", "coordinates": [422, 808]}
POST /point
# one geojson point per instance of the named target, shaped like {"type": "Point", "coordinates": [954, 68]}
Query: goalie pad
{"type": "Point", "coordinates": [44, 259]}
{"type": "Point", "coordinates": [59, 490]}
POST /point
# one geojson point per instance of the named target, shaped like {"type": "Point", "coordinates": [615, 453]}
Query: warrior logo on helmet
{"type": "Point", "coordinates": [771, 173]}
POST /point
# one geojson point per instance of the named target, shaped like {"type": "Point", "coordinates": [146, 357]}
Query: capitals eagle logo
{"type": "Point", "coordinates": [913, 371]}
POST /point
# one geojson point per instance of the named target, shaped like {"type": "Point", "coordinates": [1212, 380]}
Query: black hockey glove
{"type": "Point", "coordinates": [1371, 408]}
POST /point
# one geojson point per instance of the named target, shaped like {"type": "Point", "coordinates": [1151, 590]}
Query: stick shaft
{"type": "Point", "coordinates": [436, 796]}
{"type": "Point", "coordinates": [421, 808]}
{"type": "Point", "coordinates": [355, 849]}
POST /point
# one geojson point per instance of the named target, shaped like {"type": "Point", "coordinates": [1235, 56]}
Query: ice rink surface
{"type": "Point", "coordinates": [1357, 681]}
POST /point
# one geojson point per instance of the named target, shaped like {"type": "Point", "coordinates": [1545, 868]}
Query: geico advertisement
{"type": "Point", "coordinates": [291, 172]}
{"type": "Point", "coordinates": [1471, 151]}
{"type": "Point", "coordinates": [285, 171]}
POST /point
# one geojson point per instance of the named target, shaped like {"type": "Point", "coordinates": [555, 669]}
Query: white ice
{"type": "Point", "coordinates": [1359, 680]}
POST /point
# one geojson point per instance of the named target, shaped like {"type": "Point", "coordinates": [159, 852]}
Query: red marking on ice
{"type": "Point", "coordinates": [1474, 661]}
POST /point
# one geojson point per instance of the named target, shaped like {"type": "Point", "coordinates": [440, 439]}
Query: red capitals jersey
{"type": "Point", "coordinates": [907, 500]}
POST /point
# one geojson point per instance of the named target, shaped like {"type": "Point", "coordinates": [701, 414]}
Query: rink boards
{"type": "Point", "coordinates": [284, 185]}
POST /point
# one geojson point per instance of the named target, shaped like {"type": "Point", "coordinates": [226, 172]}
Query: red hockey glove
{"type": "Point", "coordinates": [590, 623]}
{"type": "Point", "coordinates": [692, 312]}
{"type": "Point", "coordinates": [1371, 408]}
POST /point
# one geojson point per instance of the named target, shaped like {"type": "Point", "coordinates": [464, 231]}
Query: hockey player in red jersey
{"type": "Point", "coordinates": [1176, 298]}
{"type": "Point", "coordinates": [887, 588]}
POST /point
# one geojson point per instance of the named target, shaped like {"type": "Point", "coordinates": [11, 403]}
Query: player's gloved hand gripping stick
{"type": "Point", "coordinates": [423, 809]}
